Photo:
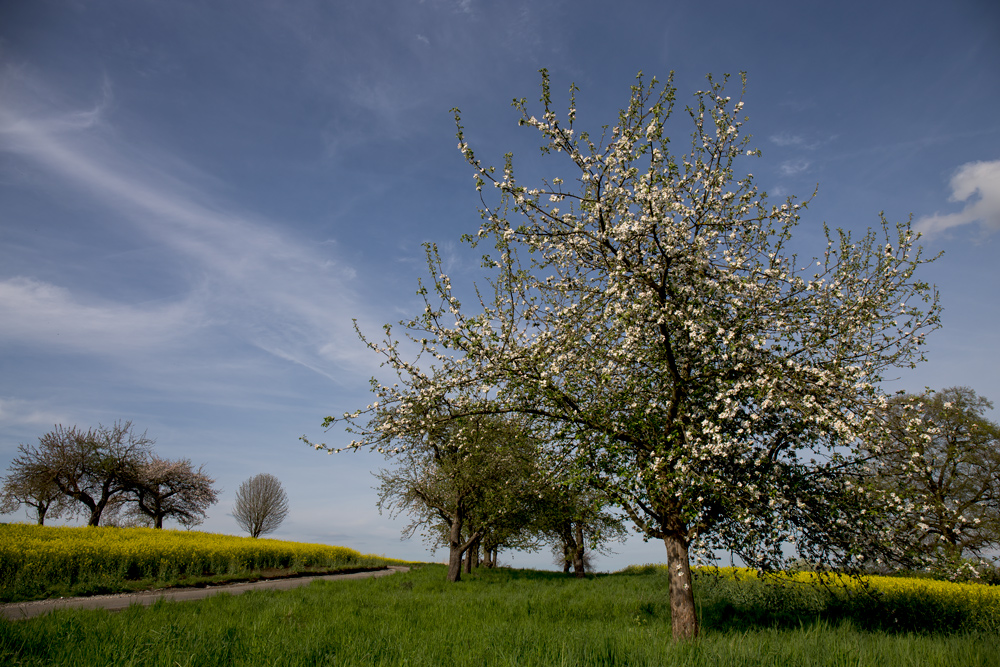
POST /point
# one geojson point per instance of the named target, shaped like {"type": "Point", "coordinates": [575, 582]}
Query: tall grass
{"type": "Point", "coordinates": [491, 618]}
{"type": "Point", "coordinates": [42, 561]}
{"type": "Point", "coordinates": [735, 597]}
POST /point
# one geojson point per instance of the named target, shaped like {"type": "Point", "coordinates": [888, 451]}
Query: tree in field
{"type": "Point", "coordinates": [261, 505]}
{"type": "Point", "coordinates": [942, 455]}
{"type": "Point", "coordinates": [647, 308]}
{"type": "Point", "coordinates": [35, 489]}
{"type": "Point", "coordinates": [163, 489]}
{"type": "Point", "coordinates": [471, 481]}
{"type": "Point", "coordinates": [94, 468]}
{"type": "Point", "coordinates": [575, 521]}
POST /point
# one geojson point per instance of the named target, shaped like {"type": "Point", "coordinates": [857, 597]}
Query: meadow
{"type": "Point", "coordinates": [521, 617]}
{"type": "Point", "coordinates": [38, 562]}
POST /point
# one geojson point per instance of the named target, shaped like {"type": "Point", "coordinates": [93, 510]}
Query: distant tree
{"type": "Point", "coordinates": [941, 455]}
{"type": "Point", "coordinates": [463, 482]}
{"type": "Point", "coordinates": [261, 505]}
{"type": "Point", "coordinates": [514, 530]}
{"type": "Point", "coordinates": [35, 489]}
{"type": "Point", "coordinates": [164, 489]}
{"type": "Point", "coordinates": [94, 467]}
{"type": "Point", "coordinates": [576, 520]}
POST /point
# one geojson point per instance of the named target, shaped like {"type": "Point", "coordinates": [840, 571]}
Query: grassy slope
{"type": "Point", "coordinates": [494, 618]}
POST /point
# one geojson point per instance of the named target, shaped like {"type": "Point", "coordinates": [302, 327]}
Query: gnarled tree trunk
{"type": "Point", "coordinates": [683, 614]}
{"type": "Point", "coordinates": [455, 550]}
{"type": "Point", "coordinates": [41, 508]}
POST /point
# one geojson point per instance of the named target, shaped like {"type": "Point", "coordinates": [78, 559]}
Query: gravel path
{"type": "Point", "coordinates": [14, 611]}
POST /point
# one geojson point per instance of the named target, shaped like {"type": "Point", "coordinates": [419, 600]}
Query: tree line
{"type": "Point", "coordinates": [112, 474]}
{"type": "Point", "coordinates": [484, 484]}
{"type": "Point", "coordinates": [106, 472]}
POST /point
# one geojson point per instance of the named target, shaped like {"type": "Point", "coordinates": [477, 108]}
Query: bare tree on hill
{"type": "Point", "coordinates": [261, 505]}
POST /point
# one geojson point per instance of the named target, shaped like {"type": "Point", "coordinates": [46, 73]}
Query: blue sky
{"type": "Point", "coordinates": [197, 199]}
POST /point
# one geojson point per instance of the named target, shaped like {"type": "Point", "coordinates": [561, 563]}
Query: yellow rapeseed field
{"type": "Point", "coordinates": [905, 602]}
{"type": "Point", "coordinates": [979, 595]}
{"type": "Point", "coordinates": [39, 557]}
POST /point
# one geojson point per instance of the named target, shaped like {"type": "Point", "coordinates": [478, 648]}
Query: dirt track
{"type": "Point", "coordinates": [20, 610]}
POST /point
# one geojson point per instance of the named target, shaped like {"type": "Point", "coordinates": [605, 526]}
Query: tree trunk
{"type": "Point", "coordinates": [569, 545]}
{"type": "Point", "coordinates": [579, 568]}
{"type": "Point", "coordinates": [683, 615]}
{"type": "Point", "coordinates": [155, 512]}
{"type": "Point", "coordinates": [95, 512]}
{"type": "Point", "coordinates": [95, 507]}
{"type": "Point", "coordinates": [455, 550]}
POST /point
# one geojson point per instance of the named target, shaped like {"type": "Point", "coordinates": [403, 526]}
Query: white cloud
{"type": "Point", "coordinates": [252, 277]}
{"type": "Point", "coordinates": [792, 167]}
{"type": "Point", "coordinates": [19, 412]}
{"type": "Point", "coordinates": [786, 139]}
{"type": "Point", "coordinates": [977, 184]}
{"type": "Point", "coordinates": [789, 140]}
{"type": "Point", "coordinates": [41, 313]}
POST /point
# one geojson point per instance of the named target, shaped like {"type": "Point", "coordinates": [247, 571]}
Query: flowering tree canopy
{"type": "Point", "coordinates": [646, 310]}
{"type": "Point", "coordinates": [941, 457]}
{"type": "Point", "coordinates": [174, 489]}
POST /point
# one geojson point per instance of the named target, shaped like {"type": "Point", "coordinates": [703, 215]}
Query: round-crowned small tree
{"type": "Point", "coordinates": [941, 454]}
{"type": "Point", "coordinates": [261, 505]}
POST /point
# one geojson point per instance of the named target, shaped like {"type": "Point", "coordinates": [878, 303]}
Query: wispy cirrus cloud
{"type": "Point", "coordinates": [792, 167]}
{"type": "Point", "coordinates": [800, 145]}
{"type": "Point", "coordinates": [42, 313]}
{"type": "Point", "coordinates": [800, 141]}
{"type": "Point", "coordinates": [247, 275]}
{"type": "Point", "coordinates": [977, 184]}
{"type": "Point", "coordinates": [19, 412]}
{"type": "Point", "coordinates": [785, 139]}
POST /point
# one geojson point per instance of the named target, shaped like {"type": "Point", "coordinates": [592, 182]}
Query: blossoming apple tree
{"type": "Point", "coordinates": [646, 310]}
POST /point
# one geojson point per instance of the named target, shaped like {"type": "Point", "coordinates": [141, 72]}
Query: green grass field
{"type": "Point", "coordinates": [514, 617]}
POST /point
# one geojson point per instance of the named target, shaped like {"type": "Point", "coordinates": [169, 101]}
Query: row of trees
{"type": "Point", "coordinates": [111, 473]}
{"type": "Point", "coordinates": [646, 312]}
{"type": "Point", "coordinates": [483, 484]}
{"type": "Point", "coordinates": [487, 483]}
{"type": "Point", "coordinates": [108, 471]}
